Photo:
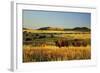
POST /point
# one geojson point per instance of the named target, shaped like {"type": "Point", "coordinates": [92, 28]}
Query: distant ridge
{"type": "Point", "coordinates": [50, 28]}
{"type": "Point", "coordinates": [61, 29]}
{"type": "Point", "coordinates": [25, 28]}
{"type": "Point", "coordinates": [81, 29]}
{"type": "Point", "coordinates": [65, 29]}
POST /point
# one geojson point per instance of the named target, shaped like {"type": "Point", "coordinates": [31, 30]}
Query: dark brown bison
{"type": "Point", "coordinates": [75, 43]}
{"type": "Point", "coordinates": [79, 42]}
{"type": "Point", "coordinates": [61, 43]}
{"type": "Point", "coordinates": [58, 43]}
{"type": "Point", "coordinates": [84, 43]}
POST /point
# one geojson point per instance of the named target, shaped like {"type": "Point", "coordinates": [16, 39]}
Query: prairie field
{"type": "Point", "coordinates": [45, 45]}
{"type": "Point", "coordinates": [48, 53]}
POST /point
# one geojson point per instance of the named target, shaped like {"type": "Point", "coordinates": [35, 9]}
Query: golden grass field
{"type": "Point", "coordinates": [51, 31]}
{"type": "Point", "coordinates": [54, 53]}
{"type": "Point", "coordinates": [49, 53]}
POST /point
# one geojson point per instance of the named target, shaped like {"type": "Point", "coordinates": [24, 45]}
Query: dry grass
{"type": "Point", "coordinates": [52, 31]}
{"type": "Point", "coordinates": [52, 53]}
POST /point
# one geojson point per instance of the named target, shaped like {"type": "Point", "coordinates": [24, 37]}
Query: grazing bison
{"type": "Point", "coordinates": [79, 42]}
{"type": "Point", "coordinates": [84, 43]}
{"type": "Point", "coordinates": [75, 42]}
{"type": "Point", "coordinates": [58, 43]}
{"type": "Point", "coordinates": [61, 43]}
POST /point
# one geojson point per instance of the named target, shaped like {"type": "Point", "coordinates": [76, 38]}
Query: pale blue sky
{"type": "Point", "coordinates": [37, 19]}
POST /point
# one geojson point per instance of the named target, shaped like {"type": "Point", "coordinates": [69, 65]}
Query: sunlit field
{"type": "Point", "coordinates": [48, 53]}
{"type": "Point", "coordinates": [41, 46]}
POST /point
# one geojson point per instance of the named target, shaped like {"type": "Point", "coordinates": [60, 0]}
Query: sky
{"type": "Point", "coordinates": [37, 19]}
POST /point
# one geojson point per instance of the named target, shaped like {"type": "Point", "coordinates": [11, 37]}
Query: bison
{"type": "Point", "coordinates": [58, 43]}
{"type": "Point", "coordinates": [66, 43]}
{"type": "Point", "coordinates": [61, 43]}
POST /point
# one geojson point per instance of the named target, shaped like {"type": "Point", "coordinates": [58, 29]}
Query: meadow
{"type": "Point", "coordinates": [39, 54]}
{"type": "Point", "coordinates": [51, 45]}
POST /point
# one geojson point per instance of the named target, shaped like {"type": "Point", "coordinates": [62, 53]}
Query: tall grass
{"type": "Point", "coordinates": [39, 54]}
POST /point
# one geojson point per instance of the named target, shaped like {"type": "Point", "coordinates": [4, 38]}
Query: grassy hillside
{"type": "Point", "coordinates": [40, 44]}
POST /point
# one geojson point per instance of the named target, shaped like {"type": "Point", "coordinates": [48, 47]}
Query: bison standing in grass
{"type": "Point", "coordinates": [75, 43]}
{"type": "Point", "coordinates": [61, 43]}
{"type": "Point", "coordinates": [80, 42]}
{"type": "Point", "coordinates": [58, 43]}
{"type": "Point", "coordinates": [84, 43]}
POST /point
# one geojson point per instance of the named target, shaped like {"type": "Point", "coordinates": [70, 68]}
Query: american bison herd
{"type": "Point", "coordinates": [75, 42]}
{"type": "Point", "coordinates": [28, 38]}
